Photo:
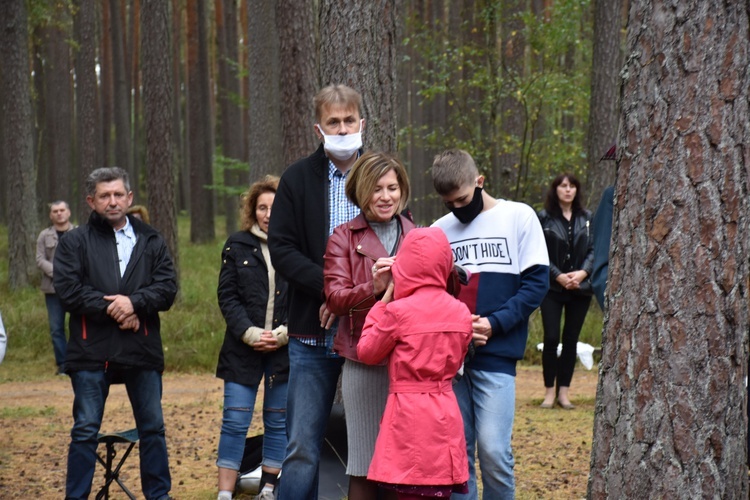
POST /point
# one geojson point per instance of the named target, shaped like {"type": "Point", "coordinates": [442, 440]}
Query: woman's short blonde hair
{"type": "Point", "coordinates": [268, 184]}
{"type": "Point", "coordinates": [365, 174]}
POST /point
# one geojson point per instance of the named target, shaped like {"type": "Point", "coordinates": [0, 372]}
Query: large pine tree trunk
{"type": "Point", "coordinates": [603, 109]}
{"type": "Point", "coordinates": [158, 125]}
{"type": "Point", "coordinates": [299, 59]}
{"type": "Point", "coordinates": [359, 41]}
{"type": "Point", "coordinates": [18, 148]}
{"type": "Point", "coordinates": [199, 126]}
{"type": "Point", "coordinates": [266, 155]}
{"type": "Point", "coordinates": [670, 411]}
{"type": "Point", "coordinates": [178, 132]}
{"type": "Point", "coordinates": [89, 139]}
{"type": "Point", "coordinates": [123, 136]}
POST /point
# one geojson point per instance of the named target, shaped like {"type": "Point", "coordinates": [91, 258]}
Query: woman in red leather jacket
{"type": "Point", "coordinates": [570, 244]}
{"type": "Point", "coordinates": [356, 273]}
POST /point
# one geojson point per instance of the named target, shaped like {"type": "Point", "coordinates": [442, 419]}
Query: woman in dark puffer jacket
{"type": "Point", "coordinates": [252, 299]}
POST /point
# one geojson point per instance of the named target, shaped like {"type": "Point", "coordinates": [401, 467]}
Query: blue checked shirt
{"type": "Point", "coordinates": [126, 240]}
{"type": "Point", "coordinates": [341, 209]}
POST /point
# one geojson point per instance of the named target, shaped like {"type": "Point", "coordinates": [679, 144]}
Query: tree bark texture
{"type": "Point", "coordinates": [58, 97]}
{"type": "Point", "coordinates": [230, 122]}
{"type": "Point", "coordinates": [265, 140]}
{"type": "Point", "coordinates": [180, 149]}
{"type": "Point", "coordinates": [106, 85]}
{"type": "Point", "coordinates": [298, 55]}
{"type": "Point", "coordinates": [123, 135]}
{"type": "Point", "coordinates": [670, 410]}
{"type": "Point", "coordinates": [605, 91]}
{"type": "Point", "coordinates": [88, 129]}
{"type": "Point", "coordinates": [199, 126]}
{"type": "Point", "coordinates": [158, 125]}
{"type": "Point", "coordinates": [19, 143]}
{"type": "Point", "coordinates": [358, 47]}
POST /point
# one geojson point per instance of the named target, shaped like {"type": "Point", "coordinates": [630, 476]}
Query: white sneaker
{"type": "Point", "coordinates": [224, 496]}
{"type": "Point", "coordinates": [266, 495]}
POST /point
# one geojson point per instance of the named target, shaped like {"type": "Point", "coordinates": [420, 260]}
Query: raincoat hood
{"type": "Point", "coordinates": [425, 259]}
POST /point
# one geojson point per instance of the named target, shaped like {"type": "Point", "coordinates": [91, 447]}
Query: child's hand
{"type": "Point", "coordinates": [388, 295]}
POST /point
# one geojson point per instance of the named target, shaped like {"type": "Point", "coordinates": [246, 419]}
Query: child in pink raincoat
{"type": "Point", "coordinates": [425, 333]}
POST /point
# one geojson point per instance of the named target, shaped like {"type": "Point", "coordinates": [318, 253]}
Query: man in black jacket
{"type": "Point", "coordinates": [114, 274]}
{"type": "Point", "coordinates": [309, 204]}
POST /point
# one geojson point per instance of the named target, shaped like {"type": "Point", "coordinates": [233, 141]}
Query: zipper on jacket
{"type": "Point", "coordinates": [587, 229]}
{"type": "Point", "coordinates": [145, 329]}
{"type": "Point", "coordinates": [83, 327]}
{"type": "Point", "coordinates": [106, 365]}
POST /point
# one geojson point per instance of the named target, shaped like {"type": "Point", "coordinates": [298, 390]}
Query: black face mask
{"type": "Point", "coordinates": [469, 212]}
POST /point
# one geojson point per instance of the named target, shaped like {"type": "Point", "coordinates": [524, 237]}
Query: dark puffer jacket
{"type": "Point", "coordinates": [563, 259]}
{"type": "Point", "coordinates": [86, 269]}
{"type": "Point", "coordinates": [243, 297]}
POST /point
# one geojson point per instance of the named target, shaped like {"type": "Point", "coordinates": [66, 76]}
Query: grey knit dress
{"type": "Point", "coordinates": [365, 388]}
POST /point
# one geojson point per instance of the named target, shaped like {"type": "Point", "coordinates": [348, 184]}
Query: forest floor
{"type": "Point", "coordinates": [551, 447]}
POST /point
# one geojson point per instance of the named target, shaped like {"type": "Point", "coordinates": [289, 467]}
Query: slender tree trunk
{"type": "Point", "coordinates": [40, 39]}
{"type": "Point", "coordinates": [134, 51]}
{"type": "Point", "coordinates": [299, 59]}
{"type": "Point", "coordinates": [199, 126]}
{"type": "Point", "coordinates": [58, 97]}
{"type": "Point", "coordinates": [180, 149]}
{"type": "Point", "coordinates": [670, 411]}
{"type": "Point", "coordinates": [107, 86]}
{"type": "Point", "coordinates": [264, 103]}
{"type": "Point", "coordinates": [605, 91]}
{"type": "Point", "coordinates": [87, 102]}
{"type": "Point", "coordinates": [158, 122]}
{"type": "Point", "coordinates": [19, 142]}
{"type": "Point", "coordinates": [123, 135]}
{"type": "Point", "coordinates": [359, 42]}
{"type": "Point", "coordinates": [231, 132]}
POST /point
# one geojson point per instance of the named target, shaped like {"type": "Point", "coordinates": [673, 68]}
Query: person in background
{"type": "Point", "coordinates": [501, 244]}
{"type": "Point", "coordinates": [570, 245]}
{"type": "Point", "coordinates": [423, 333]}
{"type": "Point", "coordinates": [46, 244]}
{"type": "Point", "coordinates": [3, 339]}
{"type": "Point", "coordinates": [114, 275]}
{"type": "Point", "coordinates": [140, 212]}
{"type": "Point", "coordinates": [309, 204]}
{"type": "Point", "coordinates": [252, 298]}
{"type": "Point", "coordinates": [602, 234]}
{"type": "Point", "coordinates": [356, 272]}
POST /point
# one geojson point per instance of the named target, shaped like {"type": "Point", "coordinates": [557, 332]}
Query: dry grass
{"type": "Point", "coordinates": [551, 446]}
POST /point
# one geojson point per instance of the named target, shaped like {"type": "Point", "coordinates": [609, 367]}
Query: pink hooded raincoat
{"type": "Point", "coordinates": [425, 334]}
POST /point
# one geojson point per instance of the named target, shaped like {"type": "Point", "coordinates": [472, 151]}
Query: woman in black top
{"type": "Point", "coordinates": [567, 230]}
{"type": "Point", "coordinates": [252, 298]}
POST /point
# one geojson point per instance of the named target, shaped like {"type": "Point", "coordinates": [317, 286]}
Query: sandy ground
{"type": "Point", "coordinates": [551, 447]}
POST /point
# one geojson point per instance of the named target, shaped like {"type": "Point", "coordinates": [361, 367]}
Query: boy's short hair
{"type": "Point", "coordinates": [453, 169]}
{"type": "Point", "coordinates": [336, 95]}
{"type": "Point", "coordinates": [365, 174]}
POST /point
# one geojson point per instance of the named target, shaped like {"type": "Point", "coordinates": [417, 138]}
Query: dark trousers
{"type": "Point", "coordinates": [576, 307]}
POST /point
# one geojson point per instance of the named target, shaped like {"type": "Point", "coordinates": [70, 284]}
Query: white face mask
{"type": "Point", "coordinates": [342, 147]}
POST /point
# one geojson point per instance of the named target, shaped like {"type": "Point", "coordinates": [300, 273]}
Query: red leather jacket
{"type": "Point", "coordinates": [352, 250]}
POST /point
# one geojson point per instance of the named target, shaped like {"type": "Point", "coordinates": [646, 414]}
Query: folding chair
{"type": "Point", "coordinates": [131, 438]}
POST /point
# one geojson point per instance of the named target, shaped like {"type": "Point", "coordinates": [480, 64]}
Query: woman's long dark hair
{"type": "Point", "coordinates": [552, 202]}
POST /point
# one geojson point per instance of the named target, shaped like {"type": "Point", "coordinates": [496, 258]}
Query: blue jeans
{"type": "Point", "coordinates": [313, 376]}
{"type": "Point", "coordinates": [56, 315]}
{"type": "Point", "coordinates": [487, 402]}
{"type": "Point", "coordinates": [91, 389]}
{"type": "Point", "coordinates": [239, 403]}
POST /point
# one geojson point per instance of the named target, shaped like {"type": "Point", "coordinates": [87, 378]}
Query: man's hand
{"type": "Point", "coordinates": [130, 323]}
{"type": "Point", "coordinates": [326, 317]}
{"type": "Point", "coordinates": [481, 328]}
{"type": "Point", "coordinates": [120, 308]}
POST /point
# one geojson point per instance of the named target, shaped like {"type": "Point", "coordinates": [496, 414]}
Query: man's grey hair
{"type": "Point", "coordinates": [106, 174]}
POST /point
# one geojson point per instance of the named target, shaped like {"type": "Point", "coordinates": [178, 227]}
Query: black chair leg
{"type": "Point", "coordinates": [113, 475]}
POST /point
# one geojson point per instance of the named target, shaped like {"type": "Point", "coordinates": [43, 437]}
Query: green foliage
{"type": "Point", "coordinates": [483, 91]}
{"type": "Point", "coordinates": [223, 163]}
